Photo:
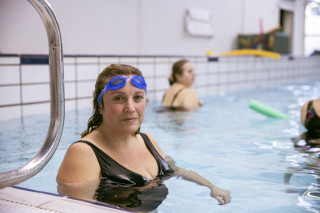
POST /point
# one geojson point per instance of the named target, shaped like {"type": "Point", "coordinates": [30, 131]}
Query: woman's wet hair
{"type": "Point", "coordinates": [109, 72]}
{"type": "Point", "coordinates": [176, 70]}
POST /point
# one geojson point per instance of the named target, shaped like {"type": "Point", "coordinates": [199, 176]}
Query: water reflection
{"type": "Point", "coordinates": [310, 199]}
{"type": "Point", "coordinates": [177, 121]}
{"type": "Point", "coordinates": [141, 199]}
{"type": "Point", "coordinates": [309, 149]}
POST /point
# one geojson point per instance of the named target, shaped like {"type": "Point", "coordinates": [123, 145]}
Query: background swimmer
{"type": "Point", "coordinates": [180, 95]}
{"type": "Point", "coordinates": [310, 118]}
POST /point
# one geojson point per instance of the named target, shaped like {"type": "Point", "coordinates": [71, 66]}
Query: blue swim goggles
{"type": "Point", "coordinates": [118, 82]}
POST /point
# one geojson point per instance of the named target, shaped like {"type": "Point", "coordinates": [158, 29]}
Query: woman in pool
{"type": "Point", "coordinates": [180, 96]}
{"type": "Point", "coordinates": [114, 162]}
{"type": "Point", "coordinates": [310, 118]}
{"type": "Point", "coordinates": [308, 142]}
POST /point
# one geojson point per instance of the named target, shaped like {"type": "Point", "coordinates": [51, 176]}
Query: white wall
{"type": "Point", "coordinates": [297, 7]}
{"type": "Point", "coordinates": [254, 10]}
{"type": "Point", "coordinates": [133, 26]}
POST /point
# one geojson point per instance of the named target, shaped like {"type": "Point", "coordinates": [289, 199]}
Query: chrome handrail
{"type": "Point", "coordinates": [52, 140]}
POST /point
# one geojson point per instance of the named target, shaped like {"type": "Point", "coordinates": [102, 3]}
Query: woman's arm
{"type": "Point", "coordinates": [316, 105]}
{"type": "Point", "coordinates": [79, 172]}
{"type": "Point", "coordinates": [303, 113]}
{"type": "Point", "coordinates": [189, 99]}
{"type": "Point", "coordinates": [223, 196]}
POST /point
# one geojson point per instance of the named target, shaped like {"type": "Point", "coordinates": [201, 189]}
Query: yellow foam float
{"type": "Point", "coordinates": [254, 52]}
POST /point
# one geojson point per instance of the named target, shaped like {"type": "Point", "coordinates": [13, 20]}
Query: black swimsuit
{"type": "Point", "coordinates": [312, 122]}
{"type": "Point", "coordinates": [120, 186]}
{"type": "Point", "coordinates": [171, 107]}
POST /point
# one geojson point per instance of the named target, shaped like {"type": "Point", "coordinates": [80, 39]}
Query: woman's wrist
{"type": "Point", "coordinates": [212, 187]}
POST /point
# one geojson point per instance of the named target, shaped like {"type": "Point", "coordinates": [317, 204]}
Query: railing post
{"type": "Point", "coordinates": [52, 140]}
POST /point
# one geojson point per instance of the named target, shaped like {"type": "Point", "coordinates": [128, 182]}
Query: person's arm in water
{"type": "Point", "coordinates": [189, 99]}
{"type": "Point", "coordinates": [303, 113]}
{"type": "Point", "coordinates": [223, 196]}
{"type": "Point", "coordinates": [79, 173]}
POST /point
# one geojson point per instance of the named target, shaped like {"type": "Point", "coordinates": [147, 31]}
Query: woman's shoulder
{"type": "Point", "coordinates": [177, 86]}
{"type": "Point", "coordinates": [79, 164]}
{"type": "Point", "coordinates": [171, 90]}
{"type": "Point", "coordinates": [303, 113]}
{"type": "Point", "coordinates": [189, 99]}
{"type": "Point", "coordinates": [79, 151]}
{"type": "Point", "coordinates": [188, 90]}
{"type": "Point", "coordinates": [155, 144]}
{"type": "Point", "coordinates": [150, 137]}
{"type": "Point", "coordinates": [190, 93]}
{"type": "Point", "coordinates": [80, 146]}
{"type": "Point", "coordinates": [304, 109]}
{"type": "Point", "coordinates": [316, 104]}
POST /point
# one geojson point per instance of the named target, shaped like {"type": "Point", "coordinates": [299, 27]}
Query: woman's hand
{"type": "Point", "coordinates": [223, 196]}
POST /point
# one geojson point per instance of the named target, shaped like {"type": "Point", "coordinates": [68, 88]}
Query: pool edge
{"type": "Point", "coordinates": [28, 200]}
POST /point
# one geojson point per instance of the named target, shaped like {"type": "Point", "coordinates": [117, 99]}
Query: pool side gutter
{"type": "Point", "coordinates": [18, 199]}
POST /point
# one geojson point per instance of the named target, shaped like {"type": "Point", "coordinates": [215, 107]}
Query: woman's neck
{"type": "Point", "coordinates": [177, 84]}
{"type": "Point", "coordinates": [114, 139]}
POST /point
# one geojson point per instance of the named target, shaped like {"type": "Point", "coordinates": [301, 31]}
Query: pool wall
{"type": "Point", "coordinates": [24, 81]}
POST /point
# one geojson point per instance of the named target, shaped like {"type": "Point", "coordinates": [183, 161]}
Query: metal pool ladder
{"type": "Point", "coordinates": [52, 140]}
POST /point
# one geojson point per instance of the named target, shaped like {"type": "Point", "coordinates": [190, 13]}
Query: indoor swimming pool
{"type": "Point", "coordinates": [229, 144]}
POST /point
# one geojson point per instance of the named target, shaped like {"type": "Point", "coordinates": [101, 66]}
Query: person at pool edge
{"type": "Point", "coordinates": [114, 162]}
{"type": "Point", "coordinates": [310, 118]}
{"type": "Point", "coordinates": [180, 95]}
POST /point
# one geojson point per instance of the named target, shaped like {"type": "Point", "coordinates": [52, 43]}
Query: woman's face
{"type": "Point", "coordinates": [187, 76]}
{"type": "Point", "coordinates": [124, 108]}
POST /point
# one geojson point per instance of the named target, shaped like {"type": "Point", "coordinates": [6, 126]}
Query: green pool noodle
{"type": "Point", "coordinates": [266, 110]}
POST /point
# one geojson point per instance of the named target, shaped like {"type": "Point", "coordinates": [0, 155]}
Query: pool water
{"type": "Point", "coordinates": [229, 144]}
